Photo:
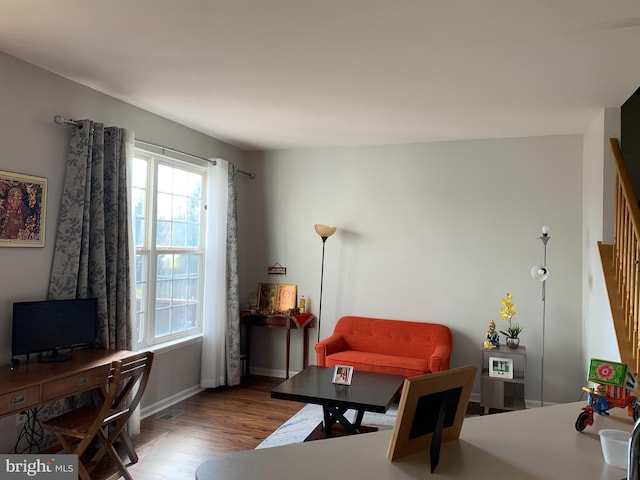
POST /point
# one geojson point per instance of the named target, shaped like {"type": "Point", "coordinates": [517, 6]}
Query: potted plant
{"type": "Point", "coordinates": [513, 329]}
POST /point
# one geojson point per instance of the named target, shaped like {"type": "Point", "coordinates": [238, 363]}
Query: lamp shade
{"type": "Point", "coordinates": [325, 231]}
{"type": "Point", "coordinates": [539, 273]}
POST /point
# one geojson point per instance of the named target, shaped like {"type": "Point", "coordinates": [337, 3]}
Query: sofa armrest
{"type": "Point", "coordinates": [332, 344]}
{"type": "Point", "coordinates": [440, 359]}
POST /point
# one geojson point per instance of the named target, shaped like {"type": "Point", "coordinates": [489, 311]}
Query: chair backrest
{"type": "Point", "coordinates": [121, 393]}
{"type": "Point", "coordinates": [109, 392]}
{"type": "Point", "coordinates": [129, 381]}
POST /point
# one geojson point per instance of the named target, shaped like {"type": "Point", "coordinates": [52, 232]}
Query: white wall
{"type": "Point", "coordinates": [431, 232]}
{"type": "Point", "coordinates": [32, 144]}
{"type": "Point", "coordinates": [599, 338]}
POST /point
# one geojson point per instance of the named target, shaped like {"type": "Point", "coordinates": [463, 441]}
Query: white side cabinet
{"type": "Point", "coordinates": [501, 392]}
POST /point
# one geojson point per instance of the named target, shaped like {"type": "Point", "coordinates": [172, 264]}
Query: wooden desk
{"type": "Point", "coordinates": [302, 322]}
{"type": "Point", "coordinates": [32, 383]}
{"type": "Point", "coordinates": [533, 444]}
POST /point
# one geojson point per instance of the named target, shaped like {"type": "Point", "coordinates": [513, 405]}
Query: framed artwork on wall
{"type": "Point", "coordinates": [23, 201]}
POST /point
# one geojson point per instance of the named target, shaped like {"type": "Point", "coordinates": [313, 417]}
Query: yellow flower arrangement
{"type": "Point", "coordinates": [508, 311]}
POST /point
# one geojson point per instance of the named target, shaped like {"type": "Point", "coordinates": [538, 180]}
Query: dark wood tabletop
{"type": "Point", "coordinates": [370, 391]}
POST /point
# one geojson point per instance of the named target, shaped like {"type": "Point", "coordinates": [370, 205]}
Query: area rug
{"type": "Point", "coordinates": [298, 427]}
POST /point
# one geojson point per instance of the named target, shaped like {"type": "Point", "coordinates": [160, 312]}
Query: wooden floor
{"type": "Point", "coordinates": [211, 422]}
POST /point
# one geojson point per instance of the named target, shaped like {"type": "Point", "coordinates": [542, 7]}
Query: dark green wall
{"type": "Point", "coordinates": [630, 138]}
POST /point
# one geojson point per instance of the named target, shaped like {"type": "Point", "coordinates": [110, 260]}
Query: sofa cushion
{"type": "Point", "coordinates": [380, 362]}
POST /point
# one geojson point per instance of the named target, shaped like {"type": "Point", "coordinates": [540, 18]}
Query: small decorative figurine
{"type": "Point", "coordinates": [492, 339]}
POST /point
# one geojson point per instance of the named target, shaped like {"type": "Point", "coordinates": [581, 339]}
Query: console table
{"type": "Point", "coordinates": [32, 383]}
{"type": "Point", "coordinates": [303, 322]}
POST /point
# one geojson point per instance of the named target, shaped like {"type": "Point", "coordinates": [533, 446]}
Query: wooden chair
{"type": "Point", "coordinates": [123, 389]}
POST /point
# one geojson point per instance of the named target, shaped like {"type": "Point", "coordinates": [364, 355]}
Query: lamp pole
{"type": "Point", "coordinates": [324, 241]}
{"type": "Point", "coordinates": [325, 232]}
{"type": "Point", "coordinates": [544, 239]}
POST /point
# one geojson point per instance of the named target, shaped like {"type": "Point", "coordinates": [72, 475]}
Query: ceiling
{"type": "Point", "coordinates": [265, 74]}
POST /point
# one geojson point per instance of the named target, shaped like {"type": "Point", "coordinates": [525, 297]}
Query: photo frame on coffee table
{"type": "Point", "coordinates": [342, 374]}
{"type": "Point", "coordinates": [431, 411]}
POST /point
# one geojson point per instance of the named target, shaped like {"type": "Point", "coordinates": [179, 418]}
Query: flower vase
{"type": "Point", "coordinates": [513, 342]}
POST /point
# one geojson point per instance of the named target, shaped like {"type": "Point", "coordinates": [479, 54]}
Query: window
{"type": "Point", "coordinates": [169, 228]}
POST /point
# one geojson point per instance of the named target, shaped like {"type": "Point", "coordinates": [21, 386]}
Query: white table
{"type": "Point", "coordinates": [539, 443]}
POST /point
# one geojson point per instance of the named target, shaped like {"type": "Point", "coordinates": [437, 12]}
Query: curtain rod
{"type": "Point", "coordinates": [60, 120]}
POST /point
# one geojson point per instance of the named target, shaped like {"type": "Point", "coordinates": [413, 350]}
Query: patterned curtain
{"type": "Point", "coordinates": [91, 257]}
{"type": "Point", "coordinates": [92, 251]}
{"type": "Point", "coordinates": [221, 324]}
{"type": "Point", "coordinates": [234, 366]}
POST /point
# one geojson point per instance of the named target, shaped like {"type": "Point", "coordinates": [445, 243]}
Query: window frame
{"type": "Point", "coordinates": [149, 251]}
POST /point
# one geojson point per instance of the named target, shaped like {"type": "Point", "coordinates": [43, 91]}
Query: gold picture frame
{"type": "Point", "coordinates": [277, 297]}
{"type": "Point", "coordinates": [287, 294]}
{"type": "Point", "coordinates": [267, 297]}
{"type": "Point", "coordinates": [23, 201]}
{"type": "Point", "coordinates": [431, 411]}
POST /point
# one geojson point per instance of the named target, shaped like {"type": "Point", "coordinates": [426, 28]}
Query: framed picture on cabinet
{"type": "Point", "coordinates": [22, 210]}
{"type": "Point", "coordinates": [500, 367]}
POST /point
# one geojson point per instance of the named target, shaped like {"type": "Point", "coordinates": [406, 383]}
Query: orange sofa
{"type": "Point", "coordinates": [387, 346]}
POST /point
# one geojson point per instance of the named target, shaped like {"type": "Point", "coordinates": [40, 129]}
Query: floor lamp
{"type": "Point", "coordinates": [325, 232]}
{"type": "Point", "coordinates": [541, 273]}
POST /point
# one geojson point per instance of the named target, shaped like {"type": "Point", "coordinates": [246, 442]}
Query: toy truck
{"type": "Point", "coordinates": [615, 387]}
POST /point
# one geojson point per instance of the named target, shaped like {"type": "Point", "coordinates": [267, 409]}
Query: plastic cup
{"type": "Point", "coordinates": [615, 444]}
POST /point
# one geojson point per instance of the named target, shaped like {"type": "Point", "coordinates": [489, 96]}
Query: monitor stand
{"type": "Point", "coordinates": [54, 356]}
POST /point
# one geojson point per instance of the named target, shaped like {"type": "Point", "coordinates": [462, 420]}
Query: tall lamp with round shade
{"type": "Point", "coordinates": [541, 273]}
{"type": "Point", "coordinates": [325, 231]}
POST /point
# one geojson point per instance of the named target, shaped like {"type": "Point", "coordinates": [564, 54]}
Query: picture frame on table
{"type": "Point", "coordinates": [431, 411]}
{"type": "Point", "coordinates": [23, 202]}
{"type": "Point", "coordinates": [342, 374]}
{"type": "Point", "coordinates": [267, 297]}
{"type": "Point", "coordinates": [500, 367]}
{"type": "Point", "coordinates": [286, 297]}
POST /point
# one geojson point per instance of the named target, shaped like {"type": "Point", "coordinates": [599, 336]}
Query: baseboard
{"type": "Point", "coordinates": [172, 400]}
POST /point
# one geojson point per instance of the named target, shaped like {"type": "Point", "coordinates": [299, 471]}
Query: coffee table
{"type": "Point", "coordinates": [368, 392]}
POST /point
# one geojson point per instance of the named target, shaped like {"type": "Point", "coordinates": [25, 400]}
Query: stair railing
{"type": "Point", "coordinates": [626, 256]}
